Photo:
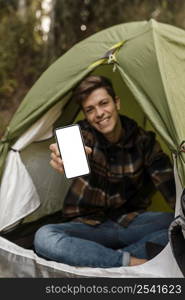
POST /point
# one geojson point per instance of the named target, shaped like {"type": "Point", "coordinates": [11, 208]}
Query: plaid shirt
{"type": "Point", "coordinates": [123, 176]}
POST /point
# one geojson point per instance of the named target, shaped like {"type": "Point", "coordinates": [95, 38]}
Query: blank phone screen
{"type": "Point", "coordinates": [72, 151]}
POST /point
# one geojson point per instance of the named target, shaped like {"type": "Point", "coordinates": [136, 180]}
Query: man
{"type": "Point", "coordinates": [109, 225]}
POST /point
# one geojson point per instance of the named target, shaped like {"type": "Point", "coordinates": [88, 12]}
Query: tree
{"type": "Point", "coordinates": [20, 53]}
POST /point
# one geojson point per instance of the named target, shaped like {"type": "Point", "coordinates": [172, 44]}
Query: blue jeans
{"type": "Point", "coordinates": [106, 245]}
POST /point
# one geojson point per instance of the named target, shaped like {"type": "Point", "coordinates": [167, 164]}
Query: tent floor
{"type": "Point", "coordinates": [23, 235]}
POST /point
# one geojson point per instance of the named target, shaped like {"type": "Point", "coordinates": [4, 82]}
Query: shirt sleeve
{"type": "Point", "coordinates": [159, 168]}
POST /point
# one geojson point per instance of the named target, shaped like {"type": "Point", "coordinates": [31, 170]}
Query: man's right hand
{"type": "Point", "coordinates": [56, 161]}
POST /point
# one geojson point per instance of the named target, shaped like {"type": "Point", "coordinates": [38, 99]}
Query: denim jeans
{"type": "Point", "coordinates": [106, 245]}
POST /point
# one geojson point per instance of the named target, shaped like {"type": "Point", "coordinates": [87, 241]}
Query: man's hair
{"type": "Point", "coordinates": [90, 84]}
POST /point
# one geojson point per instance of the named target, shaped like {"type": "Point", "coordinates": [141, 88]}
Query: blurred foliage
{"type": "Point", "coordinates": [21, 56]}
{"type": "Point", "coordinates": [96, 15]}
{"type": "Point", "coordinates": [20, 52]}
{"type": "Point", "coordinates": [26, 51]}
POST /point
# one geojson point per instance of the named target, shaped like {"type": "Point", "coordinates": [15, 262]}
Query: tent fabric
{"type": "Point", "coordinates": [19, 262]}
{"type": "Point", "coordinates": [148, 57]}
{"type": "Point", "coordinates": [16, 209]}
{"type": "Point", "coordinates": [16, 193]}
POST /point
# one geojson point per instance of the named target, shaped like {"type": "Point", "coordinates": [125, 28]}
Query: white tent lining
{"type": "Point", "coordinates": [20, 194]}
{"type": "Point", "coordinates": [35, 266]}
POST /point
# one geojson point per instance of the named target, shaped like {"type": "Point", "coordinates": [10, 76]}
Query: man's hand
{"type": "Point", "coordinates": [56, 161]}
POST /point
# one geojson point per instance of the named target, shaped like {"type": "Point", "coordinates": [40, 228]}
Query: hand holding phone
{"type": "Point", "coordinates": [71, 147]}
{"type": "Point", "coordinates": [56, 161]}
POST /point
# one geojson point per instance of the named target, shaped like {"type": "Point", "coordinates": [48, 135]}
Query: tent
{"type": "Point", "coordinates": [145, 62]}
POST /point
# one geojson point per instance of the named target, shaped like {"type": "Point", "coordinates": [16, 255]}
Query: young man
{"type": "Point", "coordinates": [110, 225]}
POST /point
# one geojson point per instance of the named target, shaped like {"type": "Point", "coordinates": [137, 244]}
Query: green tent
{"type": "Point", "coordinates": [145, 61]}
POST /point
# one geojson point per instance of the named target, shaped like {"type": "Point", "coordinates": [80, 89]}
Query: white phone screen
{"type": "Point", "coordinates": [72, 151]}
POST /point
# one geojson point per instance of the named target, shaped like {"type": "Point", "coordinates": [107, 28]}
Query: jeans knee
{"type": "Point", "coordinates": [41, 238]}
{"type": "Point", "coordinates": [168, 217]}
{"type": "Point", "coordinates": [54, 244]}
{"type": "Point", "coordinates": [50, 241]}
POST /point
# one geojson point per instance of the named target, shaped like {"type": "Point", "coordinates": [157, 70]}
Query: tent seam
{"type": "Point", "coordinates": [158, 64]}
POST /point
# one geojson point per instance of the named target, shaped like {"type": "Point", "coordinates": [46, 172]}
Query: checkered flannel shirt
{"type": "Point", "coordinates": [123, 176]}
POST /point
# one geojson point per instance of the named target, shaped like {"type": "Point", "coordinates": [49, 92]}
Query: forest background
{"type": "Point", "coordinates": [34, 33]}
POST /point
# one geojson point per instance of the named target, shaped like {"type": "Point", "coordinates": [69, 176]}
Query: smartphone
{"type": "Point", "coordinates": [71, 146]}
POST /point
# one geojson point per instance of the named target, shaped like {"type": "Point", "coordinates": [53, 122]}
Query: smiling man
{"type": "Point", "coordinates": [109, 224]}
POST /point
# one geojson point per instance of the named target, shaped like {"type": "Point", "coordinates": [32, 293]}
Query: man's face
{"type": "Point", "coordinates": [101, 111]}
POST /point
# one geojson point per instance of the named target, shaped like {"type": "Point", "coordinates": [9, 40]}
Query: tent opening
{"type": "Point", "coordinates": [51, 186]}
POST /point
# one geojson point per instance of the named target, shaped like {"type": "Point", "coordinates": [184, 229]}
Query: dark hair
{"type": "Point", "coordinates": [89, 84]}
